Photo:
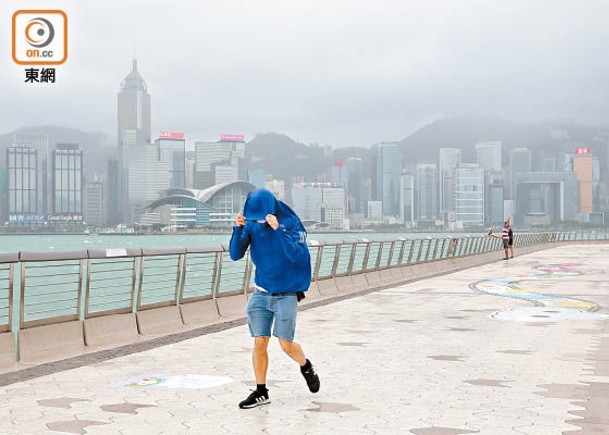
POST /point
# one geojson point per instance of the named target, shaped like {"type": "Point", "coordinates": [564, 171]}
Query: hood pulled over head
{"type": "Point", "coordinates": [258, 204]}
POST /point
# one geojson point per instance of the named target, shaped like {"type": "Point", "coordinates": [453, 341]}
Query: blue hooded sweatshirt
{"type": "Point", "coordinates": [282, 259]}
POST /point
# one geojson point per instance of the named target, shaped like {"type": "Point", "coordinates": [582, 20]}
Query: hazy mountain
{"type": "Point", "coordinates": [283, 157]}
{"type": "Point", "coordinates": [464, 133]}
{"type": "Point", "coordinates": [96, 146]}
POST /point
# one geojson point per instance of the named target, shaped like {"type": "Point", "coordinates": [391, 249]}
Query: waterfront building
{"type": "Point", "coordinates": [449, 159]}
{"type": "Point", "coordinates": [172, 149]}
{"type": "Point", "coordinates": [133, 110]}
{"type": "Point", "coordinates": [94, 204]}
{"type": "Point", "coordinates": [323, 203]}
{"type": "Point", "coordinates": [213, 207]}
{"type": "Point", "coordinates": [67, 184]}
{"type": "Point", "coordinates": [488, 155]}
{"type": "Point", "coordinates": [388, 177]}
{"type": "Point", "coordinates": [469, 195]}
{"type": "Point", "coordinates": [520, 163]}
{"type": "Point", "coordinates": [407, 198]}
{"type": "Point", "coordinates": [546, 198]}
{"type": "Point", "coordinates": [426, 190]}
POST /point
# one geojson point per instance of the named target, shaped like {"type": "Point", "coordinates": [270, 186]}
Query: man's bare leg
{"type": "Point", "coordinates": [294, 351]}
{"type": "Point", "coordinates": [260, 358]}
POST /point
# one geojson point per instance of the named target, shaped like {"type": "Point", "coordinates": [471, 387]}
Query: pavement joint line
{"type": "Point", "coordinates": [93, 357]}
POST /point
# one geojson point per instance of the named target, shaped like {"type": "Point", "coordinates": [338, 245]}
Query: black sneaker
{"type": "Point", "coordinates": [310, 376]}
{"type": "Point", "coordinates": [255, 399]}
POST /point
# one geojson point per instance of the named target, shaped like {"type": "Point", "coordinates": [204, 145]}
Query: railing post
{"type": "Point", "coordinates": [88, 288]}
{"type": "Point", "coordinates": [411, 251]}
{"type": "Point", "coordinates": [11, 285]}
{"type": "Point", "coordinates": [336, 259]}
{"type": "Point", "coordinates": [134, 282]}
{"type": "Point", "coordinates": [421, 243]}
{"type": "Point", "coordinates": [352, 258]}
{"type": "Point", "coordinates": [318, 262]}
{"type": "Point", "coordinates": [379, 255]}
{"type": "Point", "coordinates": [183, 278]}
{"type": "Point", "coordinates": [217, 275]}
{"type": "Point", "coordinates": [22, 297]}
{"type": "Point", "coordinates": [178, 278]}
{"type": "Point", "coordinates": [390, 256]}
{"type": "Point", "coordinates": [435, 248]}
{"type": "Point", "coordinates": [401, 255]}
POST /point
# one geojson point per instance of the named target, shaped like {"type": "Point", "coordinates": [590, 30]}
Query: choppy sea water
{"type": "Point", "coordinates": [13, 243]}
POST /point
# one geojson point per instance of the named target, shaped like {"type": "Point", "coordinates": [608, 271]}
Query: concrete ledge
{"type": "Point", "coordinates": [111, 331]}
{"type": "Point", "coordinates": [373, 279]}
{"type": "Point", "coordinates": [359, 282]}
{"type": "Point", "coordinates": [51, 342]}
{"type": "Point", "coordinates": [344, 284]}
{"type": "Point", "coordinates": [327, 287]}
{"type": "Point", "coordinates": [8, 357]}
{"type": "Point", "coordinates": [200, 313]}
{"type": "Point", "coordinates": [232, 307]}
{"type": "Point", "coordinates": [158, 321]}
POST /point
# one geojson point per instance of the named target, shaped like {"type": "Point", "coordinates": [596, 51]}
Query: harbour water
{"type": "Point", "coordinates": [15, 243]}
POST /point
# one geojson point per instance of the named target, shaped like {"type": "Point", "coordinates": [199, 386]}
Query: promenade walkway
{"type": "Point", "coordinates": [463, 353]}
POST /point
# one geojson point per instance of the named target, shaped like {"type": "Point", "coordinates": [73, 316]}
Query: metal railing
{"type": "Point", "coordinates": [59, 286]}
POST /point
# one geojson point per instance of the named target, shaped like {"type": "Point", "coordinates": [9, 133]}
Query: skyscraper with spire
{"type": "Point", "coordinates": [134, 110]}
{"type": "Point", "coordinates": [133, 104]}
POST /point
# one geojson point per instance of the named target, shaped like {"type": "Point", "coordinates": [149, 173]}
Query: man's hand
{"type": "Point", "coordinates": [240, 220]}
{"type": "Point", "coordinates": [272, 221]}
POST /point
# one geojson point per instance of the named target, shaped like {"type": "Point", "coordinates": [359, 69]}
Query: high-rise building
{"type": "Point", "coordinates": [94, 204]}
{"type": "Point", "coordinates": [67, 184]}
{"type": "Point", "coordinates": [114, 194]}
{"type": "Point", "coordinates": [24, 205]}
{"type": "Point", "coordinates": [190, 164]}
{"type": "Point", "coordinates": [450, 158]}
{"type": "Point", "coordinates": [388, 177]}
{"type": "Point", "coordinates": [257, 177]}
{"type": "Point", "coordinates": [338, 173]}
{"type": "Point", "coordinates": [494, 197]}
{"type": "Point", "coordinates": [276, 187]}
{"type": "Point", "coordinates": [133, 110]}
{"type": "Point", "coordinates": [40, 142]}
{"type": "Point", "coordinates": [374, 211]}
{"type": "Point", "coordinates": [220, 162]}
{"type": "Point", "coordinates": [546, 197]}
{"type": "Point", "coordinates": [148, 177]}
{"type": "Point", "coordinates": [320, 202]}
{"type": "Point", "coordinates": [426, 191]}
{"type": "Point", "coordinates": [355, 185]}
{"type": "Point", "coordinates": [488, 155]}
{"type": "Point", "coordinates": [172, 149]}
{"type": "Point", "coordinates": [520, 163]}
{"type": "Point", "coordinates": [469, 194]}
{"type": "Point", "coordinates": [407, 198]}
{"type": "Point", "coordinates": [582, 166]}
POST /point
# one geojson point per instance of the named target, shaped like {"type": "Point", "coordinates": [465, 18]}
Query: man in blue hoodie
{"type": "Point", "coordinates": [278, 247]}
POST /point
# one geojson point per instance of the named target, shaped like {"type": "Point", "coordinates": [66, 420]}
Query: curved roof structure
{"type": "Point", "coordinates": [200, 195]}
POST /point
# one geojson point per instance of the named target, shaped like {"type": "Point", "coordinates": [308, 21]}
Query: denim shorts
{"type": "Point", "coordinates": [277, 310]}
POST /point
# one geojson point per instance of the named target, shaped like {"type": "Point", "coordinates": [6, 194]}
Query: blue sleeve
{"type": "Point", "coordinates": [293, 244]}
{"type": "Point", "coordinates": [239, 242]}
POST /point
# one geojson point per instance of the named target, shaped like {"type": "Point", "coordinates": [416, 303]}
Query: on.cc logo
{"type": "Point", "coordinates": [39, 32]}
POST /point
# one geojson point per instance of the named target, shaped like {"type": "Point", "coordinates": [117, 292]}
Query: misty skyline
{"type": "Point", "coordinates": [342, 73]}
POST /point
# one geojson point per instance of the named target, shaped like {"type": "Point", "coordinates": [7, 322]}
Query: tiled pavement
{"type": "Point", "coordinates": [432, 357]}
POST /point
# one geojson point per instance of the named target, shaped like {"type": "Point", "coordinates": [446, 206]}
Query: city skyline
{"type": "Point", "coordinates": [419, 61]}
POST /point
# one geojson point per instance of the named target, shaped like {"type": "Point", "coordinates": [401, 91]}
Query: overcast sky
{"type": "Point", "coordinates": [340, 72]}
